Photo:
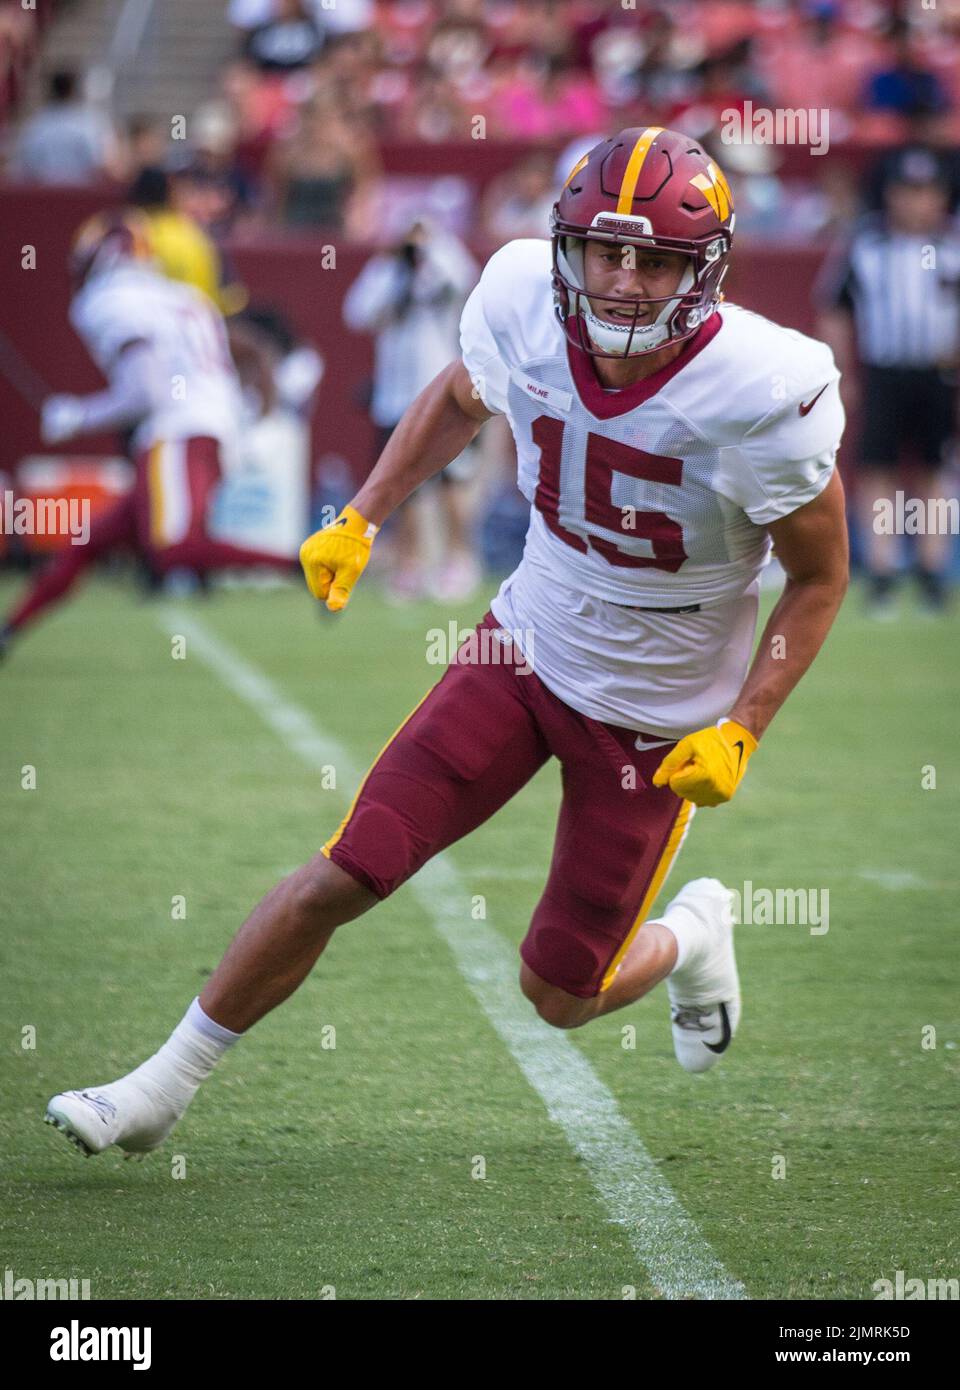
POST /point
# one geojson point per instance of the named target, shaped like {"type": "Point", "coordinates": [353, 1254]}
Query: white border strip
{"type": "Point", "coordinates": [678, 1259]}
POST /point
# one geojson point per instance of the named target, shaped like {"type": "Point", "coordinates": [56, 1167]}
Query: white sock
{"type": "Point", "coordinates": [187, 1057]}
{"type": "Point", "coordinates": [689, 932]}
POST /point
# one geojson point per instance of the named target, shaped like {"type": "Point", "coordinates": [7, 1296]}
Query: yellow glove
{"type": "Point", "coordinates": [706, 767]}
{"type": "Point", "coordinates": [333, 559]}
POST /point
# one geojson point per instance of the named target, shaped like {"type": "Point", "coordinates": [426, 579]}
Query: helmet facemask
{"type": "Point", "coordinates": [630, 338]}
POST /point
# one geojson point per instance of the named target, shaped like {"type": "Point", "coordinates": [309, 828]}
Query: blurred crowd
{"type": "Point", "coordinates": [315, 91]}
{"type": "Point", "coordinates": [315, 99]}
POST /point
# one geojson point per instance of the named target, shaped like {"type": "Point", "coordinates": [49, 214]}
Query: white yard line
{"type": "Point", "coordinates": [894, 879]}
{"type": "Point", "coordinates": [666, 1241]}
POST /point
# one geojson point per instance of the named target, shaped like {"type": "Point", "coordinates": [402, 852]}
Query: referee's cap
{"type": "Point", "coordinates": [918, 167]}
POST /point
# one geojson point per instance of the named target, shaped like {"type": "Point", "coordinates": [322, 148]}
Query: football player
{"type": "Point", "coordinates": [163, 348]}
{"type": "Point", "coordinates": [665, 440]}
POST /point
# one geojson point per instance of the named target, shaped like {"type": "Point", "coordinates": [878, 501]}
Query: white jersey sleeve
{"type": "Point", "coordinates": [786, 455]}
{"type": "Point", "coordinates": [788, 461]}
{"type": "Point", "coordinates": [496, 324]}
{"type": "Point", "coordinates": [107, 319]}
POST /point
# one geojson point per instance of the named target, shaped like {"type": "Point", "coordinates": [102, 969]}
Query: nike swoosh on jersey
{"type": "Point", "coordinates": [806, 409]}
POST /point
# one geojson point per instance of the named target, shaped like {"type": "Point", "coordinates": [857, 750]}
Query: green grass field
{"type": "Point", "coordinates": [307, 1167]}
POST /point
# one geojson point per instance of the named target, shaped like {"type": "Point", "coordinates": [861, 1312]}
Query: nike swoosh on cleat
{"type": "Point", "coordinates": [806, 409]}
{"type": "Point", "coordinates": [100, 1104]}
{"type": "Point", "coordinates": [724, 1042]}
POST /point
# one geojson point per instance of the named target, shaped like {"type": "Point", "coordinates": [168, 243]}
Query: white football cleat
{"type": "Point", "coordinates": [130, 1112]}
{"type": "Point", "coordinates": [705, 992]}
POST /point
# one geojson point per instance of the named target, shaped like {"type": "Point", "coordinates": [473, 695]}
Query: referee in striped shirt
{"type": "Point", "coordinates": [891, 299]}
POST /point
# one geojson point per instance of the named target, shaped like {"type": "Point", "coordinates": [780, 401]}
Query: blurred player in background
{"type": "Point", "coordinates": [163, 348]}
{"type": "Point", "coordinates": [892, 301]}
{"type": "Point", "coordinates": [661, 456]}
{"type": "Point", "coordinates": [411, 298]}
{"type": "Point", "coordinates": [180, 244]}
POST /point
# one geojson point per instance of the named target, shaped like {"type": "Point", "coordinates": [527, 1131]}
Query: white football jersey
{"type": "Point", "coordinates": [193, 385]}
{"type": "Point", "coordinates": [656, 496]}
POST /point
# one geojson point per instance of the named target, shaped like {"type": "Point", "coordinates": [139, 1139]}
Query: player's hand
{"type": "Point", "coordinates": [707, 767]}
{"type": "Point", "coordinates": [333, 559]}
{"type": "Point", "coordinates": [60, 418]}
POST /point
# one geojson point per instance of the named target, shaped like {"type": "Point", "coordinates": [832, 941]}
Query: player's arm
{"type": "Point", "coordinates": [125, 401]}
{"type": "Point", "coordinates": [435, 429]}
{"type": "Point", "coordinates": [811, 544]}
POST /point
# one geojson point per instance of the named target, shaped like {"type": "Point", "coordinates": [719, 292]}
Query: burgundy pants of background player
{"type": "Point", "coordinates": [164, 518]}
{"type": "Point", "coordinates": [474, 740]}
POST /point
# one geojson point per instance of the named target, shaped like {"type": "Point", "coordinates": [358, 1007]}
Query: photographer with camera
{"type": "Point", "coordinates": [410, 297]}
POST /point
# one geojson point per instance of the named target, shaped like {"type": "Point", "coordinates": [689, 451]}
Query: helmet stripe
{"type": "Point", "coordinates": [575, 171]}
{"type": "Point", "coordinates": [634, 164]}
{"type": "Point", "coordinates": [721, 182]}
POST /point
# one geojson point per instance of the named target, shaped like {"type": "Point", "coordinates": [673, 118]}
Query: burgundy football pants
{"type": "Point", "coordinates": [164, 518]}
{"type": "Point", "coordinates": [475, 739]}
